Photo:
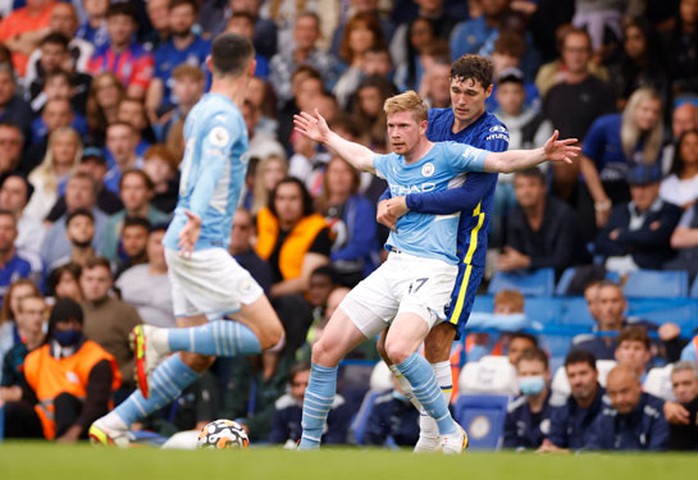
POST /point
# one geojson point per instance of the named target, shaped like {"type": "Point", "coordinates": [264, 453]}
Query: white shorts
{"type": "Point", "coordinates": [211, 283]}
{"type": "Point", "coordinates": [404, 283]}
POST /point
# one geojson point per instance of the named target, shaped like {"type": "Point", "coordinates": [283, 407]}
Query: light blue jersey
{"type": "Point", "coordinates": [421, 234]}
{"type": "Point", "coordinates": [213, 171]}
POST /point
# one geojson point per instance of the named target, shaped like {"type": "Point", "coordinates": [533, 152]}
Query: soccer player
{"type": "Point", "coordinates": [467, 122]}
{"type": "Point", "coordinates": [207, 283]}
{"type": "Point", "coordinates": [413, 287]}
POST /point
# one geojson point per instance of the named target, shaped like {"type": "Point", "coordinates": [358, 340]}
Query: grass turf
{"type": "Point", "coordinates": [26, 461]}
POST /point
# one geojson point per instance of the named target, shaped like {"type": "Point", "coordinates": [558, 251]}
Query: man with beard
{"type": "Point", "coordinates": [80, 230]}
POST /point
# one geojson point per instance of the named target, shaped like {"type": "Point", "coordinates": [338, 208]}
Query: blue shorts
{"type": "Point", "coordinates": [463, 295]}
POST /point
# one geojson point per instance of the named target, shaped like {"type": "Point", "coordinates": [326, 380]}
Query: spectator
{"type": "Point", "coordinates": [286, 422]}
{"type": "Point", "coordinates": [571, 424]}
{"type": "Point", "coordinates": [106, 92]}
{"type": "Point", "coordinates": [518, 344]}
{"type": "Point", "coordinates": [62, 400]}
{"type": "Point", "coordinates": [80, 230]}
{"type": "Point", "coordinates": [436, 83]}
{"type": "Point", "coordinates": [684, 118]}
{"type": "Point", "coordinates": [121, 144]}
{"type": "Point", "coordinates": [188, 86]}
{"type": "Point", "coordinates": [270, 171]}
{"type": "Point", "coordinates": [108, 321]}
{"type": "Point", "coordinates": [93, 28]}
{"type": "Point", "coordinates": [527, 423]}
{"type": "Point", "coordinates": [13, 109]}
{"type": "Point", "coordinates": [635, 422]}
{"type": "Point", "coordinates": [12, 266]}
{"type": "Point", "coordinates": [638, 233]}
{"type": "Point", "coordinates": [243, 23]}
{"type": "Point", "coordinates": [633, 350]}
{"type": "Point", "coordinates": [135, 191]}
{"type": "Point", "coordinates": [15, 194]}
{"type": "Point", "coordinates": [387, 28]}
{"type": "Point", "coordinates": [11, 145]}
{"type": "Point", "coordinates": [123, 56]}
{"type": "Point", "coordinates": [183, 46]}
{"type": "Point", "coordinates": [680, 47]}
{"type": "Point", "coordinates": [683, 434]}
{"type": "Point", "coordinates": [261, 144]}
{"type": "Point", "coordinates": [147, 287]}
{"type": "Point", "coordinates": [132, 111]}
{"type": "Point", "coordinates": [367, 110]}
{"type": "Point", "coordinates": [421, 41]}
{"type": "Point", "coordinates": [240, 248]}
{"type": "Point", "coordinates": [158, 17]}
{"type": "Point", "coordinates": [161, 166]}
{"type": "Point", "coordinates": [393, 420]}
{"type": "Point", "coordinates": [306, 86]}
{"type": "Point", "coordinates": [541, 230]}
{"type": "Point", "coordinates": [681, 187]}
{"type": "Point", "coordinates": [9, 336]}
{"type": "Point", "coordinates": [63, 282]}
{"type": "Point", "coordinates": [58, 113]}
{"type": "Point", "coordinates": [22, 30]}
{"type": "Point", "coordinates": [133, 249]}
{"type": "Point", "coordinates": [508, 52]}
{"type": "Point", "coordinates": [49, 179]}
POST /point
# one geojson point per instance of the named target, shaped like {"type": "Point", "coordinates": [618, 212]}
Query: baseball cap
{"type": "Point", "coordinates": [93, 153]}
{"type": "Point", "coordinates": [643, 174]}
{"type": "Point", "coordinates": [511, 74]}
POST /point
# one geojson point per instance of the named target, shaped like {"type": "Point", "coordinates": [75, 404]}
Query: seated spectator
{"type": "Point", "coordinates": [31, 317]}
{"type": "Point", "coordinates": [15, 194]}
{"type": "Point", "coordinates": [133, 244]}
{"type": "Point", "coordinates": [683, 433]}
{"type": "Point", "coordinates": [121, 144]}
{"type": "Point", "coordinates": [69, 380]}
{"type": "Point", "coordinates": [14, 109]}
{"type": "Point", "coordinates": [681, 186]}
{"type": "Point", "coordinates": [159, 21]}
{"type": "Point", "coordinates": [106, 92]}
{"type": "Point", "coordinates": [509, 49]}
{"type": "Point", "coordinates": [22, 30]}
{"type": "Point", "coordinates": [160, 164]}
{"type": "Point", "coordinates": [436, 83]}
{"type": "Point", "coordinates": [11, 142]}
{"type": "Point", "coordinates": [135, 191]}
{"type": "Point", "coordinates": [51, 176]}
{"type": "Point", "coordinates": [132, 111]}
{"type": "Point", "coordinates": [108, 321]}
{"type": "Point", "coordinates": [80, 192]}
{"type": "Point", "coordinates": [188, 84]}
{"type": "Point", "coordinates": [93, 27]}
{"type": "Point", "coordinates": [12, 265]}
{"type": "Point", "coordinates": [122, 55]}
{"type": "Point", "coordinates": [243, 23]}
{"type": "Point", "coordinates": [633, 350]}
{"type": "Point", "coordinates": [393, 420]}
{"type": "Point", "coordinates": [80, 230]}
{"type": "Point", "coordinates": [286, 422]}
{"type": "Point", "coordinates": [638, 233]}
{"type": "Point", "coordinates": [518, 344]}
{"type": "Point", "coordinates": [9, 336]}
{"type": "Point", "coordinates": [571, 423]}
{"type": "Point", "coordinates": [270, 171]}
{"type": "Point", "coordinates": [64, 282]}
{"type": "Point", "coordinates": [541, 230]}
{"type": "Point", "coordinates": [240, 248]}
{"type": "Point", "coordinates": [420, 45]}
{"type": "Point", "coordinates": [147, 287]}
{"type": "Point", "coordinates": [635, 421]}
{"type": "Point", "coordinates": [527, 423]}
{"type": "Point", "coordinates": [261, 144]}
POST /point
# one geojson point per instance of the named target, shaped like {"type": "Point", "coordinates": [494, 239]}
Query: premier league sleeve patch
{"type": "Point", "coordinates": [219, 137]}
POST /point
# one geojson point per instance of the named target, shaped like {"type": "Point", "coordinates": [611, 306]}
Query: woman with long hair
{"type": "Point", "coordinates": [106, 92]}
{"type": "Point", "coordinates": [681, 187]}
{"type": "Point", "coordinates": [269, 172]}
{"type": "Point", "coordinates": [63, 154]}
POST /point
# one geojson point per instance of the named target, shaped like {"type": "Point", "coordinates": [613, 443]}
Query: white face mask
{"type": "Point", "coordinates": [532, 386]}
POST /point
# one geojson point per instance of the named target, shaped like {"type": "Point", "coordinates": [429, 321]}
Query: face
{"type": "Point", "coordinates": [685, 386]}
{"type": "Point", "coordinates": [404, 131]}
{"type": "Point", "coordinates": [94, 168]}
{"type": "Point", "coordinates": [133, 113]}
{"type": "Point", "coordinates": [65, 148]}
{"type": "Point", "coordinates": [468, 99]}
{"type": "Point", "coordinates": [98, 8]}
{"type": "Point", "coordinates": [377, 63]}
{"type": "Point", "coordinates": [107, 92]}
{"type": "Point", "coordinates": [13, 194]}
{"type": "Point", "coordinates": [155, 249]}
{"type": "Point", "coordinates": [624, 392]}
{"type": "Point", "coordinates": [11, 143]}
{"type": "Point", "coordinates": [644, 195]}
{"type": "Point", "coordinates": [81, 230]}
{"type": "Point", "coordinates": [58, 88]}
{"type": "Point", "coordinates": [121, 144]}
{"type": "Point", "coordinates": [634, 42]}
{"type": "Point", "coordinates": [241, 233]}
{"type": "Point", "coordinates": [120, 28]}
{"type": "Point", "coordinates": [309, 90]}
{"type": "Point", "coordinates": [493, 7]}
{"type": "Point", "coordinates": [158, 14]}
{"type": "Point", "coordinates": [134, 240]}
{"type": "Point", "coordinates": [439, 78]}
{"type": "Point", "coordinates": [64, 20]}
{"type": "Point", "coordinates": [583, 381]}
{"type": "Point", "coordinates": [241, 26]}
{"type": "Point", "coordinates": [361, 38]}
{"type": "Point", "coordinates": [421, 35]}
{"type": "Point", "coordinates": [647, 114]}
{"type": "Point", "coordinates": [299, 382]}
{"type": "Point", "coordinates": [688, 11]}
{"type": "Point", "coordinates": [530, 192]}
{"type": "Point", "coordinates": [68, 287]}
{"type": "Point", "coordinates": [320, 287]}
{"type": "Point", "coordinates": [340, 177]}
{"type": "Point", "coordinates": [684, 118]}
{"type": "Point", "coordinates": [79, 193]}
{"type": "Point", "coordinates": [56, 114]}
{"type": "Point", "coordinates": [7, 87]}
{"type": "Point", "coordinates": [531, 368]}
{"type": "Point", "coordinates": [19, 292]}
{"type": "Point", "coordinates": [516, 347]}
{"type": "Point", "coordinates": [31, 315]}
{"type": "Point", "coordinates": [370, 101]}
{"type": "Point", "coordinates": [633, 354]}
{"type": "Point", "coordinates": [576, 53]}
{"type": "Point", "coordinates": [256, 91]}
{"type": "Point", "coordinates": [134, 192]}
{"type": "Point", "coordinates": [8, 233]}
{"type": "Point", "coordinates": [689, 149]}
{"type": "Point", "coordinates": [501, 61]}
{"type": "Point", "coordinates": [188, 90]}
{"type": "Point", "coordinates": [181, 19]}
{"type": "Point", "coordinates": [511, 97]}
{"type": "Point", "coordinates": [610, 304]}
{"type": "Point", "coordinates": [289, 203]}
{"type": "Point", "coordinates": [274, 171]}
{"type": "Point", "coordinates": [53, 56]}
{"type": "Point", "coordinates": [591, 295]}
{"type": "Point", "coordinates": [306, 32]}
{"type": "Point", "coordinates": [158, 170]}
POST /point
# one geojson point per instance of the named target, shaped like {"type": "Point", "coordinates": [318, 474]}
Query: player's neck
{"type": "Point", "coordinates": [419, 150]}
{"type": "Point", "coordinates": [460, 125]}
{"type": "Point", "coordinates": [233, 88]}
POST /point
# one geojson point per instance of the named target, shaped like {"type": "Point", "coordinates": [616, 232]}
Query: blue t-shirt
{"type": "Point", "coordinates": [167, 58]}
{"type": "Point", "coordinates": [212, 171]}
{"type": "Point", "coordinates": [421, 234]}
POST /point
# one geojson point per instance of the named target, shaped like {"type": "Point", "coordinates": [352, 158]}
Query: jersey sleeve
{"type": "Point", "coordinates": [495, 139]}
{"type": "Point", "coordinates": [464, 158]}
{"type": "Point", "coordinates": [380, 163]}
{"type": "Point", "coordinates": [463, 198]}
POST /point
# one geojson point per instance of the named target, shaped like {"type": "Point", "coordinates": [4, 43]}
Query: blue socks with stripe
{"type": "Point", "coordinates": [426, 389]}
{"type": "Point", "coordinates": [224, 338]}
{"type": "Point", "coordinates": [319, 396]}
{"type": "Point", "coordinates": [166, 383]}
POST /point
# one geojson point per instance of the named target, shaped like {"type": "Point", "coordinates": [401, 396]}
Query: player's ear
{"type": "Point", "coordinates": [488, 91]}
{"type": "Point", "coordinates": [209, 63]}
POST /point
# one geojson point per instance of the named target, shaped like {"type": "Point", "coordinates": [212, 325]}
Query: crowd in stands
{"type": "Point", "coordinates": [93, 99]}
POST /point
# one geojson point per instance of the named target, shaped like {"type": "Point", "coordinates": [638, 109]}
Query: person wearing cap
{"type": "Point", "coordinates": [69, 382]}
{"type": "Point", "coordinates": [638, 232]}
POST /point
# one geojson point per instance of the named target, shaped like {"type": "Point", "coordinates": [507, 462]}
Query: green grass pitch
{"type": "Point", "coordinates": [26, 461]}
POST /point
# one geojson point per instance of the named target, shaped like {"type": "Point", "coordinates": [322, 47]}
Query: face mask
{"type": "Point", "coordinates": [67, 338]}
{"type": "Point", "coordinates": [532, 386]}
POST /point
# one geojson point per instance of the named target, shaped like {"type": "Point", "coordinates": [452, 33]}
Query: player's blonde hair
{"type": "Point", "coordinates": [409, 101]}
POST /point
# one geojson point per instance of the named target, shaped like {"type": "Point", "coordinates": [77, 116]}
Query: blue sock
{"type": "Point", "coordinates": [319, 396]}
{"type": "Point", "coordinates": [426, 389]}
{"type": "Point", "coordinates": [224, 338]}
{"type": "Point", "coordinates": [167, 382]}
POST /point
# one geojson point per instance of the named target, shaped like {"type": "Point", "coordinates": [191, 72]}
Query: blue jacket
{"type": "Point", "coordinates": [392, 420]}
{"type": "Point", "coordinates": [286, 422]}
{"type": "Point", "coordinates": [643, 429]}
{"type": "Point", "coordinates": [359, 218]}
{"type": "Point", "coordinates": [524, 429]}
{"type": "Point", "coordinates": [570, 424]}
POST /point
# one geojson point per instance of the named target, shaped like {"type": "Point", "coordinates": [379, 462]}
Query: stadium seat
{"type": "Point", "coordinates": [537, 283]}
{"type": "Point", "coordinates": [491, 375]}
{"type": "Point", "coordinates": [658, 382]}
{"type": "Point", "coordinates": [482, 416]}
{"type": "Point", "coordinates": [657, 284]}
{"type": "Point", "coordinates": [694, 289]}
{"type": "Point", "coordinates": [563, 285]}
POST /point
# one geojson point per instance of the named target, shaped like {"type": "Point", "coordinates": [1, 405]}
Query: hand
{"type": "Point", "coordinates": [384, 216]}
{"type": "Point", "coordinates": [614, 234]}
{"type": "Point", "coordinates": [189, 234]}
{"type": "Point", "coordinates": [547, 447]}
{"type": "Point", "coordinates": [669, 331]}
{"type": "Point", "coordinates": [561, 150]}
{"type": "Point", "coordinates": [602, 209]}
{"type": "Point", "coordinates": [312, 126]}
{"type": "Point", "coordinates": [675, 413]}
{"type": "Point", "coordinates": [511, 259]}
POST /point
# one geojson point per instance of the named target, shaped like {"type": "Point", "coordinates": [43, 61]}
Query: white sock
{"type": "Point", "coordinates": [442, 370]}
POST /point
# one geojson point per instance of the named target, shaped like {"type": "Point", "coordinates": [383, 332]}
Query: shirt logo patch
{"type": "Point", "coordinates": [218, 137]}
{"type": "Point", "coordinates": [428, 169]}
{"type": "Point", "coordinates": [498, 128]}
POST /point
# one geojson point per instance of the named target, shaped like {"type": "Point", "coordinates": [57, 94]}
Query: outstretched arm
{"type": "Point", "coordinates": [315, 127]}
{"type": "Point", "coordinates": [554, 150]}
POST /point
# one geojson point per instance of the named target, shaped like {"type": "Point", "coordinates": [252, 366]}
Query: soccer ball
{"type": "Point", "coordinates": [222, 434]}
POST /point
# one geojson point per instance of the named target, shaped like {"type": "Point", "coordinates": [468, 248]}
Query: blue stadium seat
{"type": "Point", "coordinates": [482, 416]}
{"type": "Point", "coordinates": [657, 284]}
{"type": "Point", "coordinates": [694, 289]}
{"type": "Point", "coordinates": [537, 283]}
{"type": "Point", "coordinates": [563, 284]}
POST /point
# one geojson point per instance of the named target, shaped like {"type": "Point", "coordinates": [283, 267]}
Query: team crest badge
{"type": "Point", "coordinates": [428, 170]}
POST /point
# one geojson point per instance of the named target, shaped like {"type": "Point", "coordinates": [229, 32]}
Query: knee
{"type": "Point", "coordinates": [323, 354]}
{"type": "Point", "coordinates": [397, 351]}
{"type": "Point", "coordinates": [272, 337]}
{"type": "Point", "coordinates": [198, 363]}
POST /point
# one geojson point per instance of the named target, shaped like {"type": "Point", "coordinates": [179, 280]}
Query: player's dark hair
{"type": "Point", "coordinates": [55, 38]}
{"type": "Point", "coordinates": [580, 356]}
{"type": "Point", "coordinates": [79, 212]}
{"type": "Point", "coordinates": [531, 172]}
{"type": "Point", "coordinates": [230, 54]}
{"type": "Point", "coordinates": [476, 67]}
{"type": "Point", "coordinates": [307, 199]}
{"type": "Point", "coordinates": [535, 354]}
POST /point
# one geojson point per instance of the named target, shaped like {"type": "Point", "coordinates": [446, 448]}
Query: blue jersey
{"type": "Point", "coordinates": [420, 234]}
{"type": "Point", "coordinates": [212, 171]}
{"type": "Point", "coordinates": [168, 57]}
